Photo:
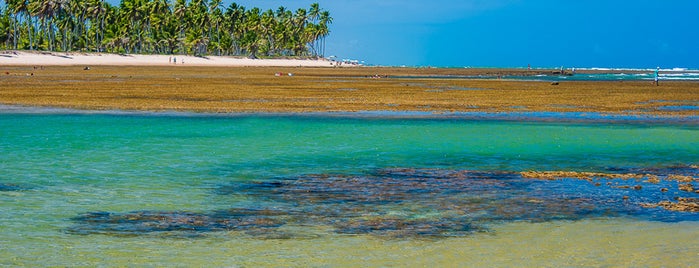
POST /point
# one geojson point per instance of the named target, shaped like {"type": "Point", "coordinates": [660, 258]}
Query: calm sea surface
{"type": "Point", "coordinates": [178, 190]}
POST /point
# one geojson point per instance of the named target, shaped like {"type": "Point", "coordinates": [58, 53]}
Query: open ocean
{"type": "Point", "coordinates": [597, 74]}
{"type": "Point", "coordinates": [187, 190]}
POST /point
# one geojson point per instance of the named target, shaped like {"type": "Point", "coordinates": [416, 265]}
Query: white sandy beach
{"type": "Point", "coordinates": [9, 58]}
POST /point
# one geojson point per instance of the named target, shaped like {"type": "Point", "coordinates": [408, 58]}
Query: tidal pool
{"type": "Point", "coordinates": [253, 190]}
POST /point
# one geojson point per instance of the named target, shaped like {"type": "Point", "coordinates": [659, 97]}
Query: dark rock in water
{"type": "Point", "coordinates": [159, 221]}
{"type": "Point", "coordinates": [382, 188]}
{"type": "Point", "coordinates": [399, 227]}
{"type": "Point", "coordinates": [407, 202]}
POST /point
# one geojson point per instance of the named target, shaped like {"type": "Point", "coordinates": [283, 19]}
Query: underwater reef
{"type": "Point", "coordinates": [415, 202]}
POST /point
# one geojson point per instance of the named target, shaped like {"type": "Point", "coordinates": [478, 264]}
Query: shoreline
{"type": "Point", "coordinates": [76, 58]}
{"type": "Point", "coordinates": [45, 58]}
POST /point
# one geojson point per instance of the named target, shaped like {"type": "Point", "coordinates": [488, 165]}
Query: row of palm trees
{"type": "Point", "coordinates": [194, 27]}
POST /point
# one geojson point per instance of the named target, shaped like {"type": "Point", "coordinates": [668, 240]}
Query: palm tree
{"type": "Point", "coordinates": [285, 31]}
{"type": "Point", "coordinates": [325, 21]}
{"type": "Point", "coordinates": [97, 13]}
{"type": "Point", "coordinates": [77, 13]}
{"type": "Point", "coordinates": [267, 27]}
{"type": "Point", "coordinates": [233, 25]}
{"type": "Point", "coordinates": [112, 28]}
{"type": "Point", "coordinates": [46, 10]}
{"type": "Point", "coordinates": [314, 12]}
{"type": "Point", "coordinates": [156, 26]}
{"type": "Point", "coordinates": [199, 19]}
{"type": "Point", "coordinates": [299, 32]}
{"type": "Point", "coordinates": [16, 8]}
{"type": "Point", "coordinates": [251, 39]}
{"type": "Point", "coordinates": [159, 13]}
{"type": "Point", "coordinates": [65, 23]}
{"type": "Point", "coordinates": [180, 16]}
{"type": "Point", "coordinates": [215, 19]}
{"type": "Point", "coordinates": [6, 32]}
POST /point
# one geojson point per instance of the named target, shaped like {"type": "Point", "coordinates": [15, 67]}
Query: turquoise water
{"type": "Point", "coordinates": [77, 187]}
{"type": "Point", "coordinates": [610, 75]}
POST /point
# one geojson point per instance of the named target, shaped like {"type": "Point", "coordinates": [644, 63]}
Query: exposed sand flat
{"type": "Point", "coordinates": [25, 58]}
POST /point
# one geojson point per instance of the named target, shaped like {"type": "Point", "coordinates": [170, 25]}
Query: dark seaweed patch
{"type": "Point", "coordinates": [158, 221]}
{"type": "Point", "coordinates": [10, 187]}
{"type": "Point", "coordinates": [401, 227]}
{"type": "Point", "coordinates": [410, 202]}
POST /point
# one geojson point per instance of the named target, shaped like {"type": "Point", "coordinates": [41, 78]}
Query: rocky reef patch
{"type": "Point", "coordinates": [416, 202]}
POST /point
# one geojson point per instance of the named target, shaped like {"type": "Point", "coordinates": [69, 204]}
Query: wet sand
{"type": "Point", "coordinates": [307, 89]}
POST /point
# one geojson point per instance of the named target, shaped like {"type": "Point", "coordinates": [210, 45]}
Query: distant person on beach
{"type": "Point", "coordinates": [174, 60]}
{"type": "Point", "coordinates": [657, 71]}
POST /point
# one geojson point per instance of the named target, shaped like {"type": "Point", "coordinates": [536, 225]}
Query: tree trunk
{"type": "Point", "coordinates": [30, 32]}
{"type": "Point", "coordinates": [14, 34]}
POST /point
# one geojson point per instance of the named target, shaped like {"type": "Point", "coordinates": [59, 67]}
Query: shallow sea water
{"type": "Point", "coordinates": [162, 190]}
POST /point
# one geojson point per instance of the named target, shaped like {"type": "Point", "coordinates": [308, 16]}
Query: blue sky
{"type": "Point", "coordinates": [511, 33]}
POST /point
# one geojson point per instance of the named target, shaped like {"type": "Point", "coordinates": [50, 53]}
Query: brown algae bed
{"type": "Point", "coordinates": [294, 90]}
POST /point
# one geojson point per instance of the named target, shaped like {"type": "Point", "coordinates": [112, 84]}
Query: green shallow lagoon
{"type": "Point", "coordinates": [60, 166]}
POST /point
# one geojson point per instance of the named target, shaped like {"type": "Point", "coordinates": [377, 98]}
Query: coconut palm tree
{"type": "Point", "coordinates": [325, 20]}
{"type": "Point", "coordinates": [6, 32]}
{"type": "Point", "coordinates": [233, 25]}
{"type": "Point", "coordinates": [199, 21]}
{"type": "Point", "coordinates": [158, 26]}
{"type": "Point", "coordinates": [314, 12]}
{"type": "Point", "coordinates": [97, 14]}
{"type": "Point", "coordinates": [15, 9]}
{"type": "Point", "coordinates": [215, 19]}
{"type": "Point", "coordinates": [76, 12]}
{"type": "Point", "coordinates": [45, 11]}
{"type": "Point", "coordinates": [180, 17]}
{"type": "Point", "coordinates": [251, 39]}
{"type": "Point", "coordinates": [159, 14]}
{"type": "Point", "coordinates": [64, 22]}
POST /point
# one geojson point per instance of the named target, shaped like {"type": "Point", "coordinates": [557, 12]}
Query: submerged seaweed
{"type": "Point", "coordinates": [407, 202]}
{"type": "Point", "coordinates": [159, 221]}
{"type": "Point", "coordinates": [10, 187]}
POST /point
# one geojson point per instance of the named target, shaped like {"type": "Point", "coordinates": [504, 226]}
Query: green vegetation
{"type": "Point", "coordinates": [194, 27]}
